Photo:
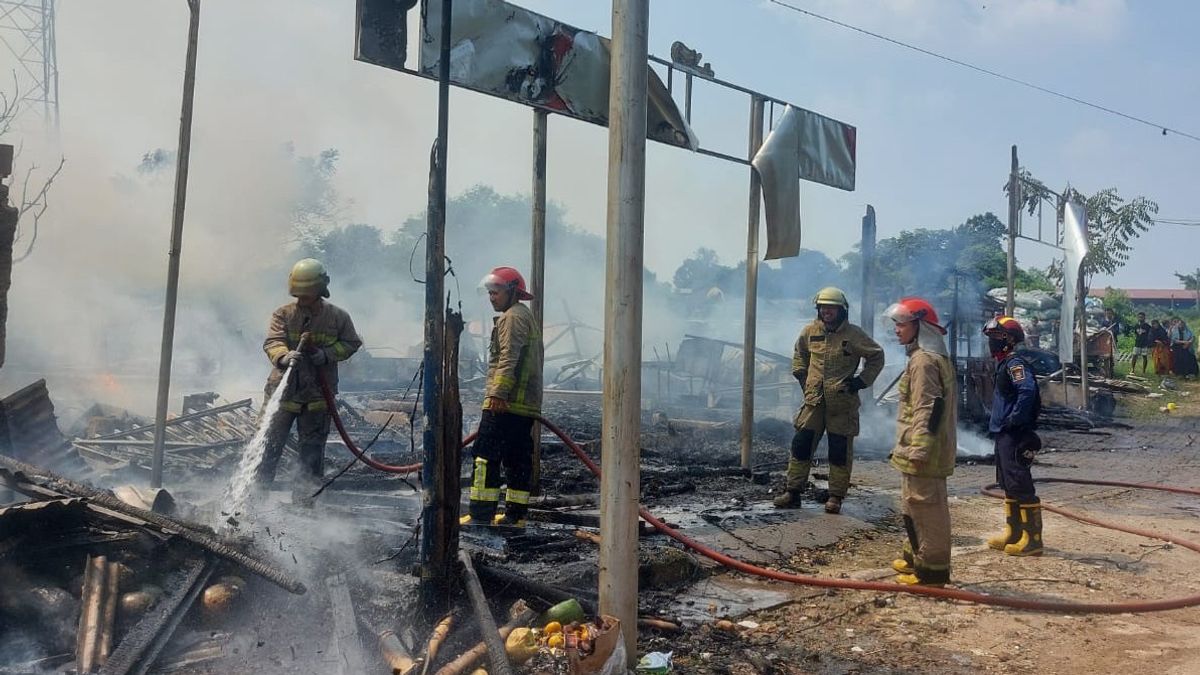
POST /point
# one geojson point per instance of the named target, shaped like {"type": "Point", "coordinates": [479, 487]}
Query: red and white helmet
{"type": "Point", "coordinates": [914, 309]}
{"type": "Point", "coordinates": [506, 279]}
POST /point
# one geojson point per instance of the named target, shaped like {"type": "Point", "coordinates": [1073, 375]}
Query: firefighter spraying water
{"type": "Point", "coordinates": [305, 341]}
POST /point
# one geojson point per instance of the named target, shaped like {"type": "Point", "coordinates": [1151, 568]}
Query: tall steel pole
{"type": "Point", "coordinates": [1014, 215]}
{"type": "Point", "coordinates": [439, 527]}
{"type": "Point", "coordinates": [181, 178]}
{"type": "Point", "coordinates": [620, 449]}
{"type": "Point", "coordinates": [538, 261]}
{"type": "Point", "coordinates": [750, 319]}
{"type": "Point", "coordinates": [867, 311]}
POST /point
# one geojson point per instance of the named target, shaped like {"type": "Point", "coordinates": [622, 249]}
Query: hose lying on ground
{"type": "Point", "coordinates": [933, 591]}
{"type": "Point", "coordinates": [807, 580]}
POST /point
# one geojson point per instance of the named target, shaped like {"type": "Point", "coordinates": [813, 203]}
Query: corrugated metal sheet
{"type": "Point", "coordinates": [29, 432]}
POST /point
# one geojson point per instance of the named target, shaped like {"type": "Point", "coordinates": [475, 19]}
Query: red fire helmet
{"type": "Point", "coordinates": [914, 309]}
{"type": "Point", "coordinates": [506, 279]}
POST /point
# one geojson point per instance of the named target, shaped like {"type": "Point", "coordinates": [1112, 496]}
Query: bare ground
{"type": "Point", "coordinates": [818, 631]}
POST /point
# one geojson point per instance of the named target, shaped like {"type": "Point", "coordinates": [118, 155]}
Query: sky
{"type": "Point", "coordinates": [933, 139]}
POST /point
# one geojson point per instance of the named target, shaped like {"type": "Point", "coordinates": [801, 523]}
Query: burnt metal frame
{"type": "Point", "coordinates": [762, 105]}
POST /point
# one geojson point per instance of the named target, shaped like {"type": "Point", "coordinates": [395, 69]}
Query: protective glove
{"type": "Point", "coordinates": [856, 384]}
{"type": "Point", "coordinates": [291, 358]}
{"type": "Point", "coordinates": [318, 357]}
{"type": "Point", "coordinates": [497, 404]}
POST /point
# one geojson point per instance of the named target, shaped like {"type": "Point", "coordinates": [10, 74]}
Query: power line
{"type": "Point", "coordinates": [1188, 222]}
{"type": "Point", "coordinates": [985, 71]}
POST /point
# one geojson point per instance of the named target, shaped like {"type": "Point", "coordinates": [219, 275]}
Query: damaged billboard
{"type": "Point", "coordinates": [500, 49]}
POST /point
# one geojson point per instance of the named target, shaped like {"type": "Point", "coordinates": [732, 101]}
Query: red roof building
{"type": "Point", "coordinates": [1168, 297]}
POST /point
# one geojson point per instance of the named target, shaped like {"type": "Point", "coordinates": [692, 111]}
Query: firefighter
{"type": "Point", "coordinates": [925, 443]}
{"type": "Point", "coordinates": [512, 399]}
{"type": "Point", "coordinates": [827, 354]}
{"type": "Point", "coordinates": [1016, 404]}
{"type": "Point", "coordinates": [330, 338]}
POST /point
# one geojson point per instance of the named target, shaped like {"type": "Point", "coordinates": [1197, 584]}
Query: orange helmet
{"type": "Point", "coordinates": [914, 309]}
{"type": "Point", "coordinates": [1005, 328]}
{"type": "Point", "coordinates": [507, 279]}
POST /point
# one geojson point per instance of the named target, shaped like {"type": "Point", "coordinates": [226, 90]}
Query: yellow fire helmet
{"type": "Point", "coordinates": [308, 277]}
{"type": "Point", "coordinates": [831, 295]}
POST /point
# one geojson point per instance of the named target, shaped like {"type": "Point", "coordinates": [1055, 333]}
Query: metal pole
{"type": "Point", "coordinates": [620, 435]}
{"type": "Point", "coordinates": [1014, 214]}
{"type": "Point", "coordinates": [538, 257]}
{"type": "Point", "coordinates": [750, 321]}
{"type": "Point", "coordinates": [181, 177]}
{"type": "Point", "coordinates": [867, 315]}
{"type": "Point", "coordinates": [438, 528]}
{"type": "Point", "coordinates": [954, 325]}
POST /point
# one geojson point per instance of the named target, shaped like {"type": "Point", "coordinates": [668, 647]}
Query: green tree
{"type": "Point", "coordinates": [1114, 223]}
{"type": "Point", "coordinates": [1191, 282]}
{"type": "Point", "coordinates": [1118, 301]}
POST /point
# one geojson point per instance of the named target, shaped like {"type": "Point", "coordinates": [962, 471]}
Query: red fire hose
{"type": "Point", "coordinates": [807, 580]}
{"type": "Point", "coordinates": [949, 593]}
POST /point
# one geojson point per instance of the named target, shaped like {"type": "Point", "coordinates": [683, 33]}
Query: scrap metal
{"type": "Point", "coordinates": [201, 439]}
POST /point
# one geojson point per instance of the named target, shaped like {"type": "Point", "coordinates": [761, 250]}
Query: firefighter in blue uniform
{"type": "Point", "coordinates": [1016, 404]}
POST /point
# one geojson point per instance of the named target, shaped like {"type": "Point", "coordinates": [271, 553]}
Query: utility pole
{"type": "Point", "coordinates": [750, 321]}
{"type": "Point", "coordinates": [181, 178]}
{"type": "Point", "coordinates": [867, 312]}
{"type": "Point", "coordinates": [867, 315]}
{"type": "Point", "coordinates": [439, 522]}
{"type": "Point", "coordinates": [538, 260]}
{"type": "Point", "coordinates": [1014, 215]}
{"type": "Point", "coordinates": [621, 423]}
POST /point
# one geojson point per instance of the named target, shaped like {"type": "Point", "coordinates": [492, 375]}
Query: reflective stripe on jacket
{"type": "Point", "coordinates": [330, 330]}
{"type": "Point", "coordinates": [515, 362]}
{"type": "Point", "coordinates": [926, 440]}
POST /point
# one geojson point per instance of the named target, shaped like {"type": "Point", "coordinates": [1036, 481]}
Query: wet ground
{"type": "Point", "coordinates": [356, 552]}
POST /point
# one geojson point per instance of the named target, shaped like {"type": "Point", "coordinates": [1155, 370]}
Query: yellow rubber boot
{"type": "Point", "coordinates": [925, 576]}
{"type": "Point", "coordinates": [1030, 541]}
{"type": "Point", "coordinates": [906, 563]}
{"type": "Point", "coordinates": [1012, 527]}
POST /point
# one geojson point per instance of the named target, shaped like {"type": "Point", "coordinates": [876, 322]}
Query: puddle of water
{"type": "Point", "coordinates": [720, 597]}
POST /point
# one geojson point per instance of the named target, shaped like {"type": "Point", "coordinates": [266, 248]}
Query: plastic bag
{"type": "Point", "coordinates": [609, 655]}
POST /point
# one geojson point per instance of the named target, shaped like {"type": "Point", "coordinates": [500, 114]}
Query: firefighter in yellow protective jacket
{"type": "Point", "coordinates": [331, 338]}
{"type": "Point", "coordinates": [827, 356]}
{"type": "Point", "coordinates": [512, 398]}
{"type": "Point", "coordinates": [925, 443]}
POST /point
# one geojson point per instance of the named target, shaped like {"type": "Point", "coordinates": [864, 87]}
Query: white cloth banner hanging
{"type": "Point", "coordinates": [802, 146]}
{"type": "Point", "coordinates": [1076, 248]}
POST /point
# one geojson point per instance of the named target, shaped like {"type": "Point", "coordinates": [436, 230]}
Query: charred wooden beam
{"type": "Point", "coordinates": [523, 585]}
{"type": "Point", "coordinates": [145, 641]}
{"type": "Point", "coordinates": [347, 647]}
{"type": "Point", "coordinates": [495, 644]}
{"type": "Point", "coordinates": [18, 474]}
{"type": "Point", "coordinates": [521, 614]}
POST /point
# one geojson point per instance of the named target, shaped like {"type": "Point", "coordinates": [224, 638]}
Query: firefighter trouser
{"type": "Point", "coordinates": [841, 452]}
{"type": "Point", "coordinates": [505, 440]}
{"type": "Point", "coordinates": [927, 518]}
{"type": "Point", "coordinates": [312, 427]}
{"type": "Point", "coordinates": [1012, 470]}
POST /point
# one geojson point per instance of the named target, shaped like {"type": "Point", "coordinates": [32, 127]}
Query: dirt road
{"type": "Point", "coordinates": [815, 631]}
